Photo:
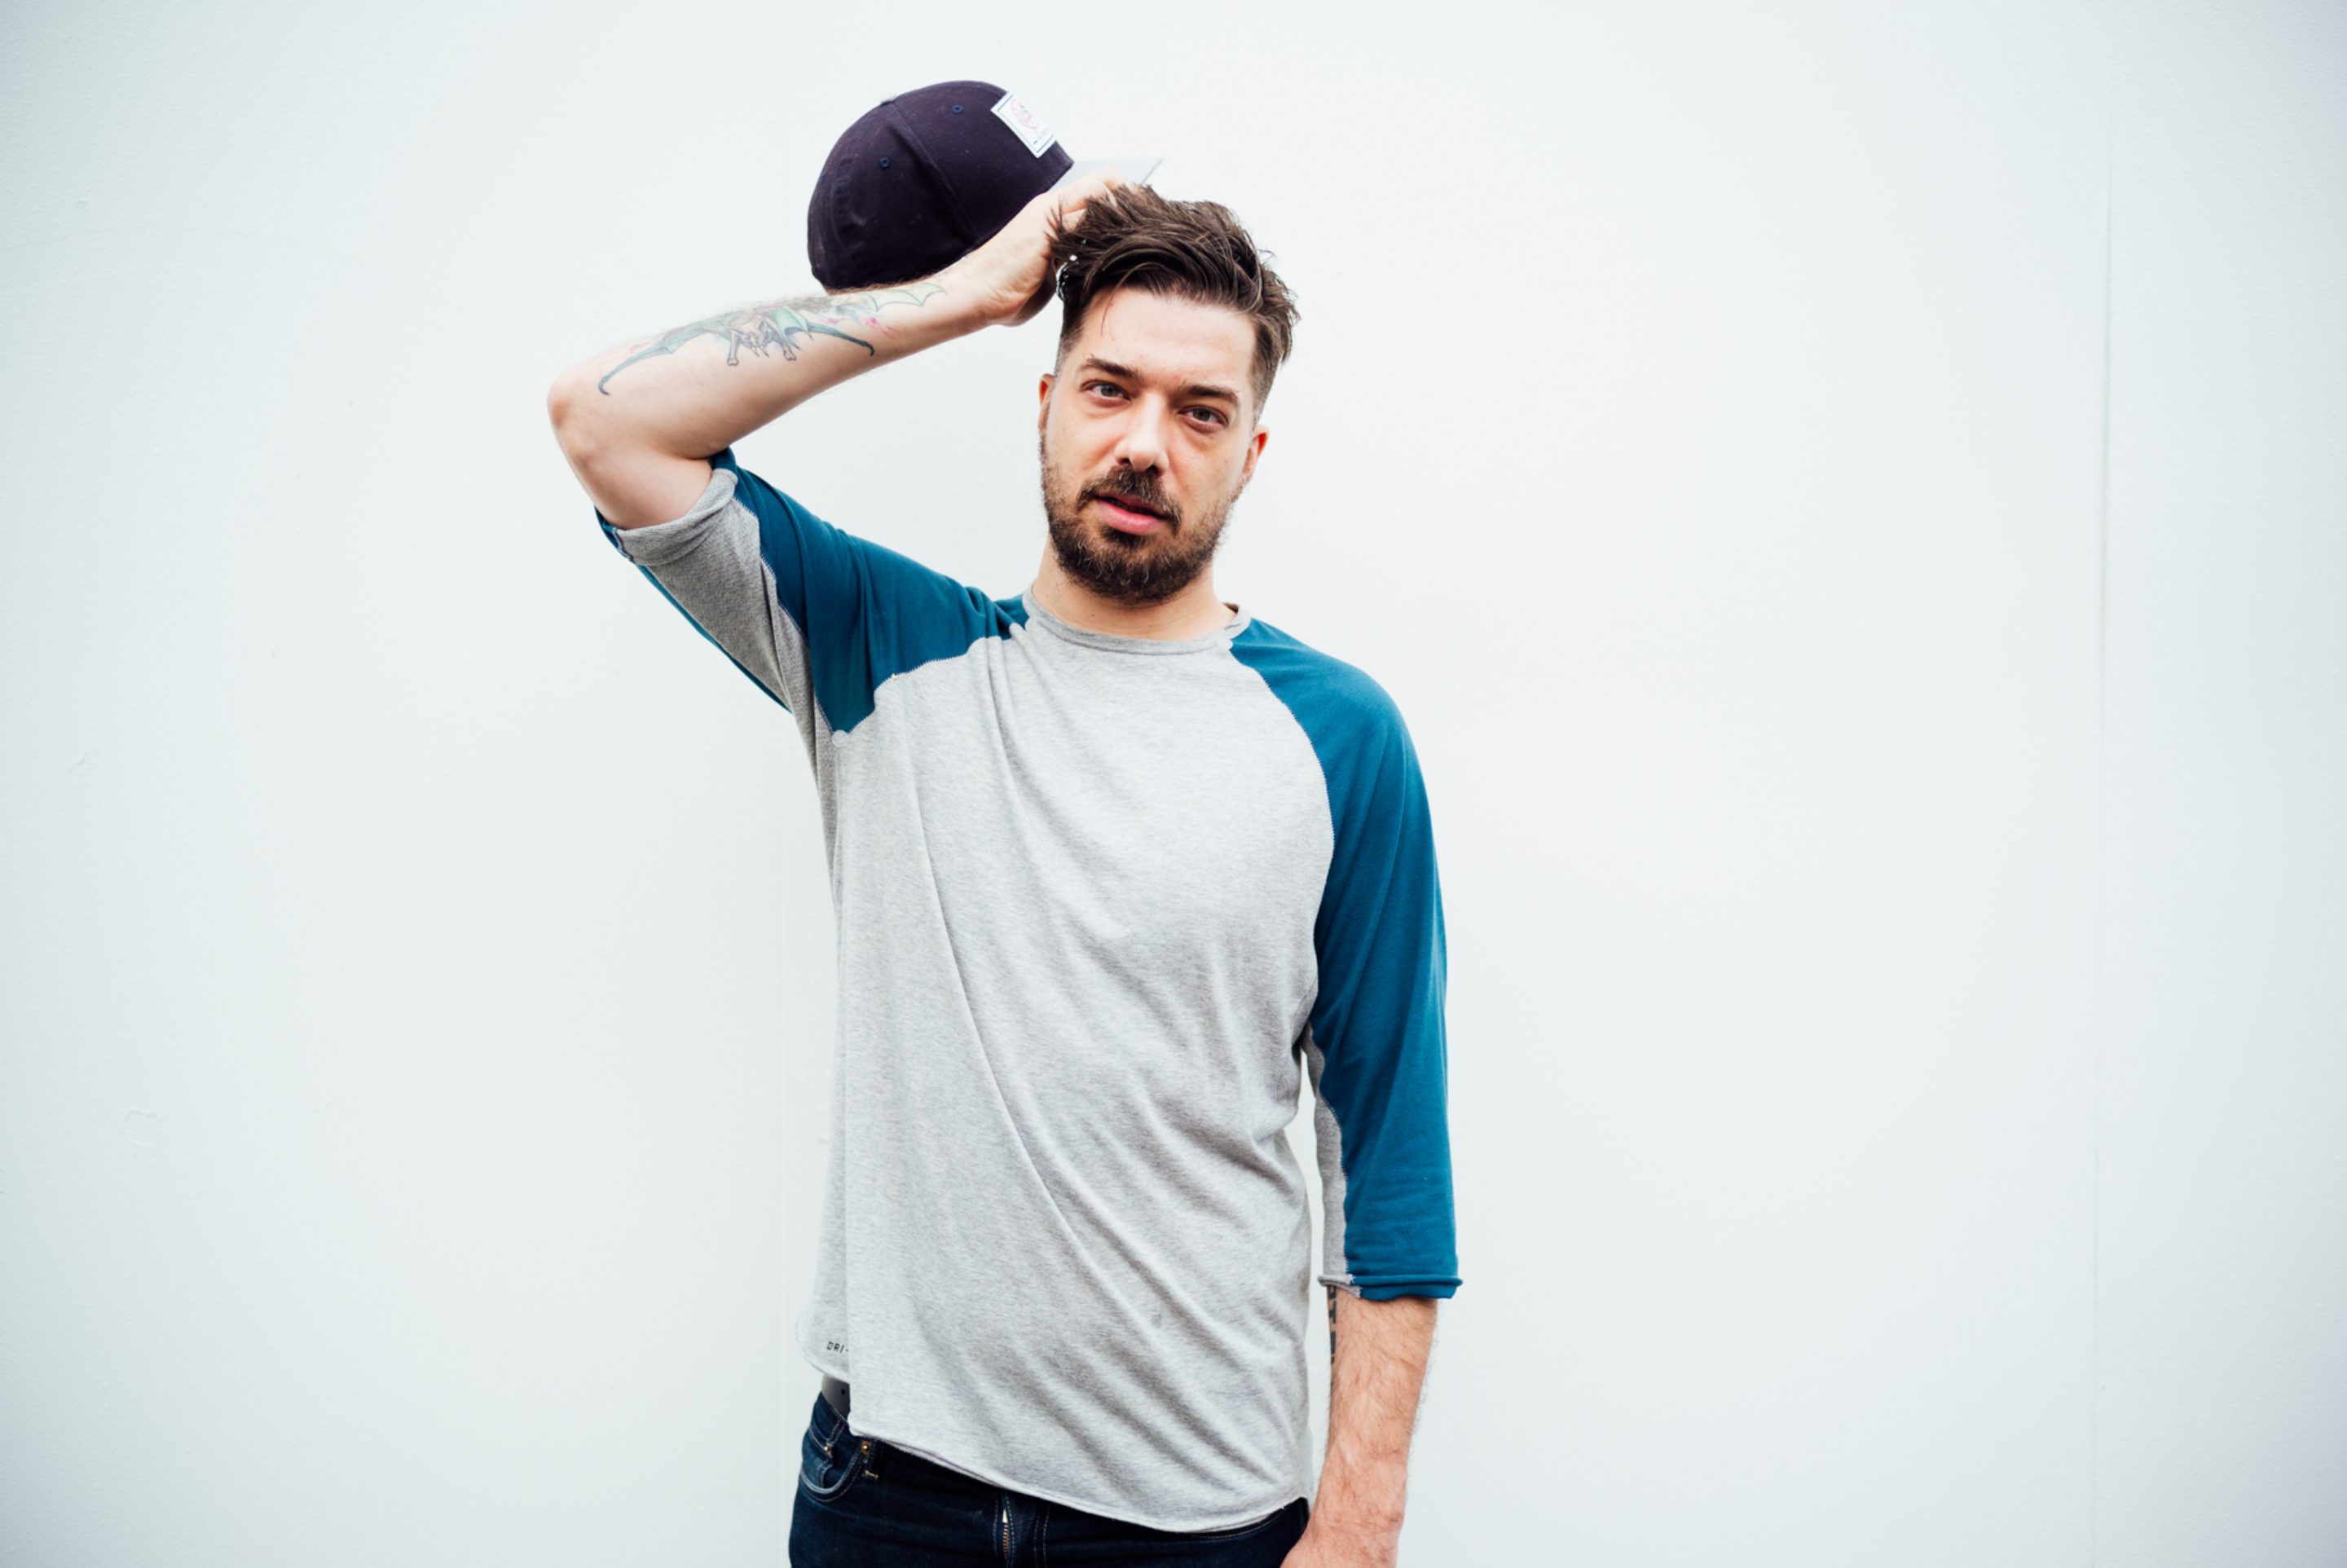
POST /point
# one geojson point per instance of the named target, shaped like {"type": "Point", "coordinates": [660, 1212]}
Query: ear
{"type": "Point", "coordinates": [1254, 450]}
{"type": "Point", "coordinates": [1043, 397]}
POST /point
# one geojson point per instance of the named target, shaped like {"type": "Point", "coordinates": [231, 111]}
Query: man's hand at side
{"type": "Point", "coordinates": [1381, 1349]}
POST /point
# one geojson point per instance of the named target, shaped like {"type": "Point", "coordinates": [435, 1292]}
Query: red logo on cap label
{"type": "Point", "coordinates": [1024, 125]}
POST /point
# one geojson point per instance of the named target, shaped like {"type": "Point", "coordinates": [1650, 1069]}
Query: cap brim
{"type": "Point", "coordinates": [1136, 171]}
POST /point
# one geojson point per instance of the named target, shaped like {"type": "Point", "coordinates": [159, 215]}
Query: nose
{"type": "Point", "coordinates": [1141, 441]}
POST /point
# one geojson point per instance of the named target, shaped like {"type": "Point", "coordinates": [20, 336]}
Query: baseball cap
{"type": "Point", "coordinates": [925, 178]}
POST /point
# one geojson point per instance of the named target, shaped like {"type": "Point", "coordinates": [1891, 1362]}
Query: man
{"type": "Point", "coordinates": [1116, 865]}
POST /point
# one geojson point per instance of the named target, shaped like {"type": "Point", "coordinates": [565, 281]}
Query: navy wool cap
{"type": "Point", "coordinates": [922, 180]}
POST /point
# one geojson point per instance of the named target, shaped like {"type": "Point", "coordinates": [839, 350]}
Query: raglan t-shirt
{"type": "Point", "coordinates": [1104, 903]}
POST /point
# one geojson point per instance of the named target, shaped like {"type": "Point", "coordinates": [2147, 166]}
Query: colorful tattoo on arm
{"type": "Point", "coordinates": [781, 321]}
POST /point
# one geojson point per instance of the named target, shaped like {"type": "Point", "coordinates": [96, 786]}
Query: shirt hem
{"type": "Point", "coordinates": [1090, 1505]}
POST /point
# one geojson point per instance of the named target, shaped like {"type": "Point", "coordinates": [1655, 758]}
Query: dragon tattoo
{"type": "Point", "coordinates": [781, 323]}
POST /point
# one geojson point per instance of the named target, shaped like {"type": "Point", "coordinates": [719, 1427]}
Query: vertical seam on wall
{"type": "Point", "coordinates": [2102, 755]}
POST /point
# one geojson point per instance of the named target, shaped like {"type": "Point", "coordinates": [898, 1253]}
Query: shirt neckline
{"type": "Point", "coordinates": [1114, 643]}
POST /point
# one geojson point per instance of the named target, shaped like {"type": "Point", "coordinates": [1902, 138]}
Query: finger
{"type": "Point", "coordinates": [1098, 181]}
{"type": "Point", "coordinates": [1077, 197]}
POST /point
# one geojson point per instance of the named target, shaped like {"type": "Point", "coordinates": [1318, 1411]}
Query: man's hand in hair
{"type": "Point", "coordinates": [1008, 279]}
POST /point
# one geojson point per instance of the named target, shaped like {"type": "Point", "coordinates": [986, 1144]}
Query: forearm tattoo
{"type": "Point", "coordinates": [1332, 1329]}
{"type": "Point", "coordinates": [780, 322]}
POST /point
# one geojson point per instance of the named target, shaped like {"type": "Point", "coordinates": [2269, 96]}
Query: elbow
{"type": "Point", "coordinates": [567, 411]}
{"type": "Point", "coordinates": [563, 400]}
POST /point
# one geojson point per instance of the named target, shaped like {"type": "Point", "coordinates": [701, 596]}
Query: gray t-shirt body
{"type": "Point", "coordinates": [1103, 903]}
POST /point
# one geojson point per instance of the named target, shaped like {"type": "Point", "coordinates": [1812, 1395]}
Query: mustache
{"type": "Point", "coordinates": [1137, 490]}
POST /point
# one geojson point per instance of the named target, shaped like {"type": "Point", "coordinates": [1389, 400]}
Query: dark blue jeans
{"type": "Point", "coordinates": [863, 1503]}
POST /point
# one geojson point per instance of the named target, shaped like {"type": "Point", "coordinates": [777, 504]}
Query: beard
{"type": "Point", "coordinates": [1137, 569]}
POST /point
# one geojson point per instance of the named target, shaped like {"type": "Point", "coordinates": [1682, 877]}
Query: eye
{"type": "Point", "coordinates": [1105, 386]}
{"type": "Point", "coordinates": [1214, 414]}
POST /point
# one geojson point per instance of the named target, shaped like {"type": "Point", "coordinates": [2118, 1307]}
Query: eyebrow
{"type": "Point", "coordinates": [1196, 389]}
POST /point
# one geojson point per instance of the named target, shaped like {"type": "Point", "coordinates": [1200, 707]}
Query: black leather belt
{"type": "Point", "coordinates": [835, 1393]}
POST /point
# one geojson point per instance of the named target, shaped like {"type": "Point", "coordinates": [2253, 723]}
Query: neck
{"type": "Point", "coordinates": [1195, 611]}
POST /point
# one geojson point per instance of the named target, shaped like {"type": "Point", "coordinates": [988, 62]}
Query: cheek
{"type": "Point", "coordinates": [1069, 442]}
{"type": "Point", "coordinates": [1225, 470]}
{"type": "Point", "coordinates": [1064, 469]}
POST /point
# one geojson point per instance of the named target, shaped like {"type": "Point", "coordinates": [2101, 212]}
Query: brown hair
{"type": "Point", "coordinates": [1130, 237]}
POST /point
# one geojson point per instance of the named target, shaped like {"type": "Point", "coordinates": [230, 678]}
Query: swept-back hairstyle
{"type": "Point", "coordinates": [1130, 237]}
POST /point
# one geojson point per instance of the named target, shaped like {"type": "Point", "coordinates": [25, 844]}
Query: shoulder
{"type": "Point", "coordinates": [1376, 795]}
{"type": "Point", "coordinates": [1336, 702]}
{"type": "Point", "coordinates": [812, 558]}
{"type": "Point", "coordinates": [1366, 761]}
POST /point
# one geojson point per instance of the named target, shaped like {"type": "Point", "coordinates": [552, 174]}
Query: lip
{"type": "Point", "coordinates": [1126, 518]}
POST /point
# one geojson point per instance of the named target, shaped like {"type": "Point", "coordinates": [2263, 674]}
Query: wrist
{"type": "Point", "coordinates": [1369, 1527]}
{"type": "Point", "coordinates": [975, 301]}
{"type": "Point", "coordinates": [1366, 1501]}
{"type": "Point", "coordinates": [1335, 1537]}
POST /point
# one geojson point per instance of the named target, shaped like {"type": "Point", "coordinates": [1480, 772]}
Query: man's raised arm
{"type": "Point", "coordinates": [639, 420]}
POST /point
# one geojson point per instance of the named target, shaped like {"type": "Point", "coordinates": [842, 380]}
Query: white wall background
{"type": "Point", "coordinates": [1851, 498]}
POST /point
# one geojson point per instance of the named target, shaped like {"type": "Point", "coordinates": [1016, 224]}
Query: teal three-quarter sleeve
{"type": "Point", "coordinates": [1374, 1044]}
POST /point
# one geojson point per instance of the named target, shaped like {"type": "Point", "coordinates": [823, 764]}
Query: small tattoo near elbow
{"type": "Point", "coordinates": [1332, 1327]}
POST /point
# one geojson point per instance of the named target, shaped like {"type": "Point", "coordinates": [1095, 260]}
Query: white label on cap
{"type": "Point", "coordinates": [1024, 125]}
